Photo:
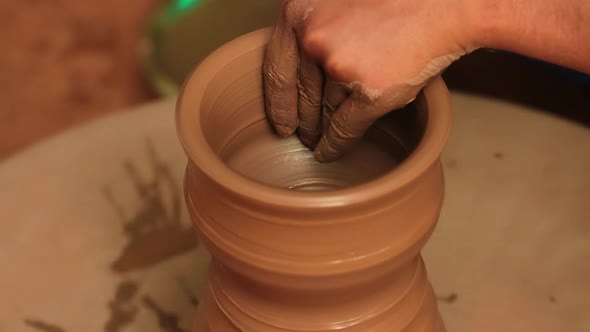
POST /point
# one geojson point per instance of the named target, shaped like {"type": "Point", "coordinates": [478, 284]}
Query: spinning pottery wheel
{"type": "Point", "coordinates": [94, 237]}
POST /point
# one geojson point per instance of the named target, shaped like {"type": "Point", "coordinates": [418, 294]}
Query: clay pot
{"type": "Point", "coordinates": [303, 246]}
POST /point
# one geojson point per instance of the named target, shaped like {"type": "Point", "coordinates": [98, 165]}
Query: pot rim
{"type": "Point", "coordinates": [424, 156]}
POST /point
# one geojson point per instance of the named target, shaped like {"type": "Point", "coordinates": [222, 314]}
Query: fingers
{"type": "Point", "coordinates": [310, 85]}
{"type": "Point", "coordinates": [280, 79]}
{"type": "Point", "coordinates": [347, 125]}
{"type": "Point", "coordinates": [334, 94]}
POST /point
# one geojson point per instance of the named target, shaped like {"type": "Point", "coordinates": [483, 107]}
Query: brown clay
{"type": "Point", "coordinates": [303, 246]}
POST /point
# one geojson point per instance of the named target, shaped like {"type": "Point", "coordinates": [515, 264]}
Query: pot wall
{"type": "Point", "coordinates": [343, 257]}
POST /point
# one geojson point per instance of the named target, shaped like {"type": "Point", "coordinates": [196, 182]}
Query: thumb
{"type": "Point", "coordinates": [347, 125]}
{"type": "Point", "coordinates": [356, 115]}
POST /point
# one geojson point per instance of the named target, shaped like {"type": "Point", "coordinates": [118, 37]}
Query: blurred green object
{"type": "Point", "coordinates": [186, 31]}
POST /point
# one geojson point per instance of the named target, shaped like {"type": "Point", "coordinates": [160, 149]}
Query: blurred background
{"type": "Point", "coordinates": [103, 221]}
{"type": "Point", "coordinates": [65, 62]}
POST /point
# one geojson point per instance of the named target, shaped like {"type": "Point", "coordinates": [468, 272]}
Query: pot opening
{"type": "Point", "coordinates": [234, 124]}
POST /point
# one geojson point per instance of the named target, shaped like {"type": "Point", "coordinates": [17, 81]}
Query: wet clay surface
{"type": "Point", "coordinates": [258, 153]}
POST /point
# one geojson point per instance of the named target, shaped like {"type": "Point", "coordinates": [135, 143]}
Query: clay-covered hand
{"type": "Point", "coordinates": [333, 67]}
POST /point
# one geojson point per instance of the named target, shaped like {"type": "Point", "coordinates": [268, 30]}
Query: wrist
{"type": "Point", "coordinates": [550, 30]}
{"type": "Point", "coordinates": [487, 21]}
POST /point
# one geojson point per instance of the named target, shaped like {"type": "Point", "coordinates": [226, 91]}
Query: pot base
{"type": "Point", "coordinates": [402, 301]}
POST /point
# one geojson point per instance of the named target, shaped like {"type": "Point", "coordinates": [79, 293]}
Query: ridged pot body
{"type": "Point", "coordinates": [345, 259]}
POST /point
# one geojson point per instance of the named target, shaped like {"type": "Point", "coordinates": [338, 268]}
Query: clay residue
{"type": "Point", "coordinates": [435, 67]}
{"type": "Point", "coordinates": [154, 229]}
{"type": "Point", "coordinates": [189, 293]}
{"type": "Point", "coordinates": [370, 93]}
{"type": "Point", "coordinates": [306, 13]}
{"type": "Point", "coordinates": [451, 298]}
{"type": "Point", "coordinates": [43, 326]}
{"type": "Point", "coordinates": [121, 308]}
{"type": "Point", "coordinates": [168, 322]}
{"type": "Point", "coordinates": [498, 155]}
{"type": "Point", "coordinates": [452, 163]}
{"type": "Point", "coordinates": [154, 247]}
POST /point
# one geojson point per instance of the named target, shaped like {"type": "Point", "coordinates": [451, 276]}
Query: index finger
{"type": "Point", "coordinates": [280, 77]}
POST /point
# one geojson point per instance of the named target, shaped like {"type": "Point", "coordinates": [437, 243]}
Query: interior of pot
{"type": "Point", "coordinates": [234, 125]}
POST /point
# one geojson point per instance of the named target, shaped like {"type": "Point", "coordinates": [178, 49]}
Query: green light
{"type": "Point", "coordinates": [185, 4]}
{"type": "Point", "coordinates": [175, 10]}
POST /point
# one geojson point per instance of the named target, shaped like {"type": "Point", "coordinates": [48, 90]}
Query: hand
{"type": "Point", "coordinates": [333, 67]}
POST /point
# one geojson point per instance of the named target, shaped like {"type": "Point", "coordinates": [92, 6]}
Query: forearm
{"type": "Point", "coordinates": [556, 31]}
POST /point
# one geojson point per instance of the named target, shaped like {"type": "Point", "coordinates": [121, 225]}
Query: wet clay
{"type": "Point", "coordinates": [259, 154]}
{"type": "Point", "coordinates": [303, 246]}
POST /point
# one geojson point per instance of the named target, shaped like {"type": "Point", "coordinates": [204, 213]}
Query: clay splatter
{"type": "Point", "coordinates": [189, 293]}
{"type": "Point", "coordinates": [43, 326]}
{"type": "Point", "coordinates": [451, 298]}
{"type": "Point", "coordinates": [154, 230]}
{"type": "Point", "coordinates": [552, 299]}
{"type": "Point", "coordinates": [155, 234]}
{"type": "Point", "coordinates": [452, 163]}
{"type": "Point", "coordinates": [122, 311]}
{"type": "Point", "coordinates": [498, 155]}
{"type": "Point", "coordinates": [154, 247]}
{"type": "Point", "coordinates": [168, 322]}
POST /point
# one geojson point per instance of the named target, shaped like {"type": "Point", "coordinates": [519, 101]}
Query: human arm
{"type": "Point", "coordinates": [335, 66]}
{"type": "Point", "coordinates": [554, 31]}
